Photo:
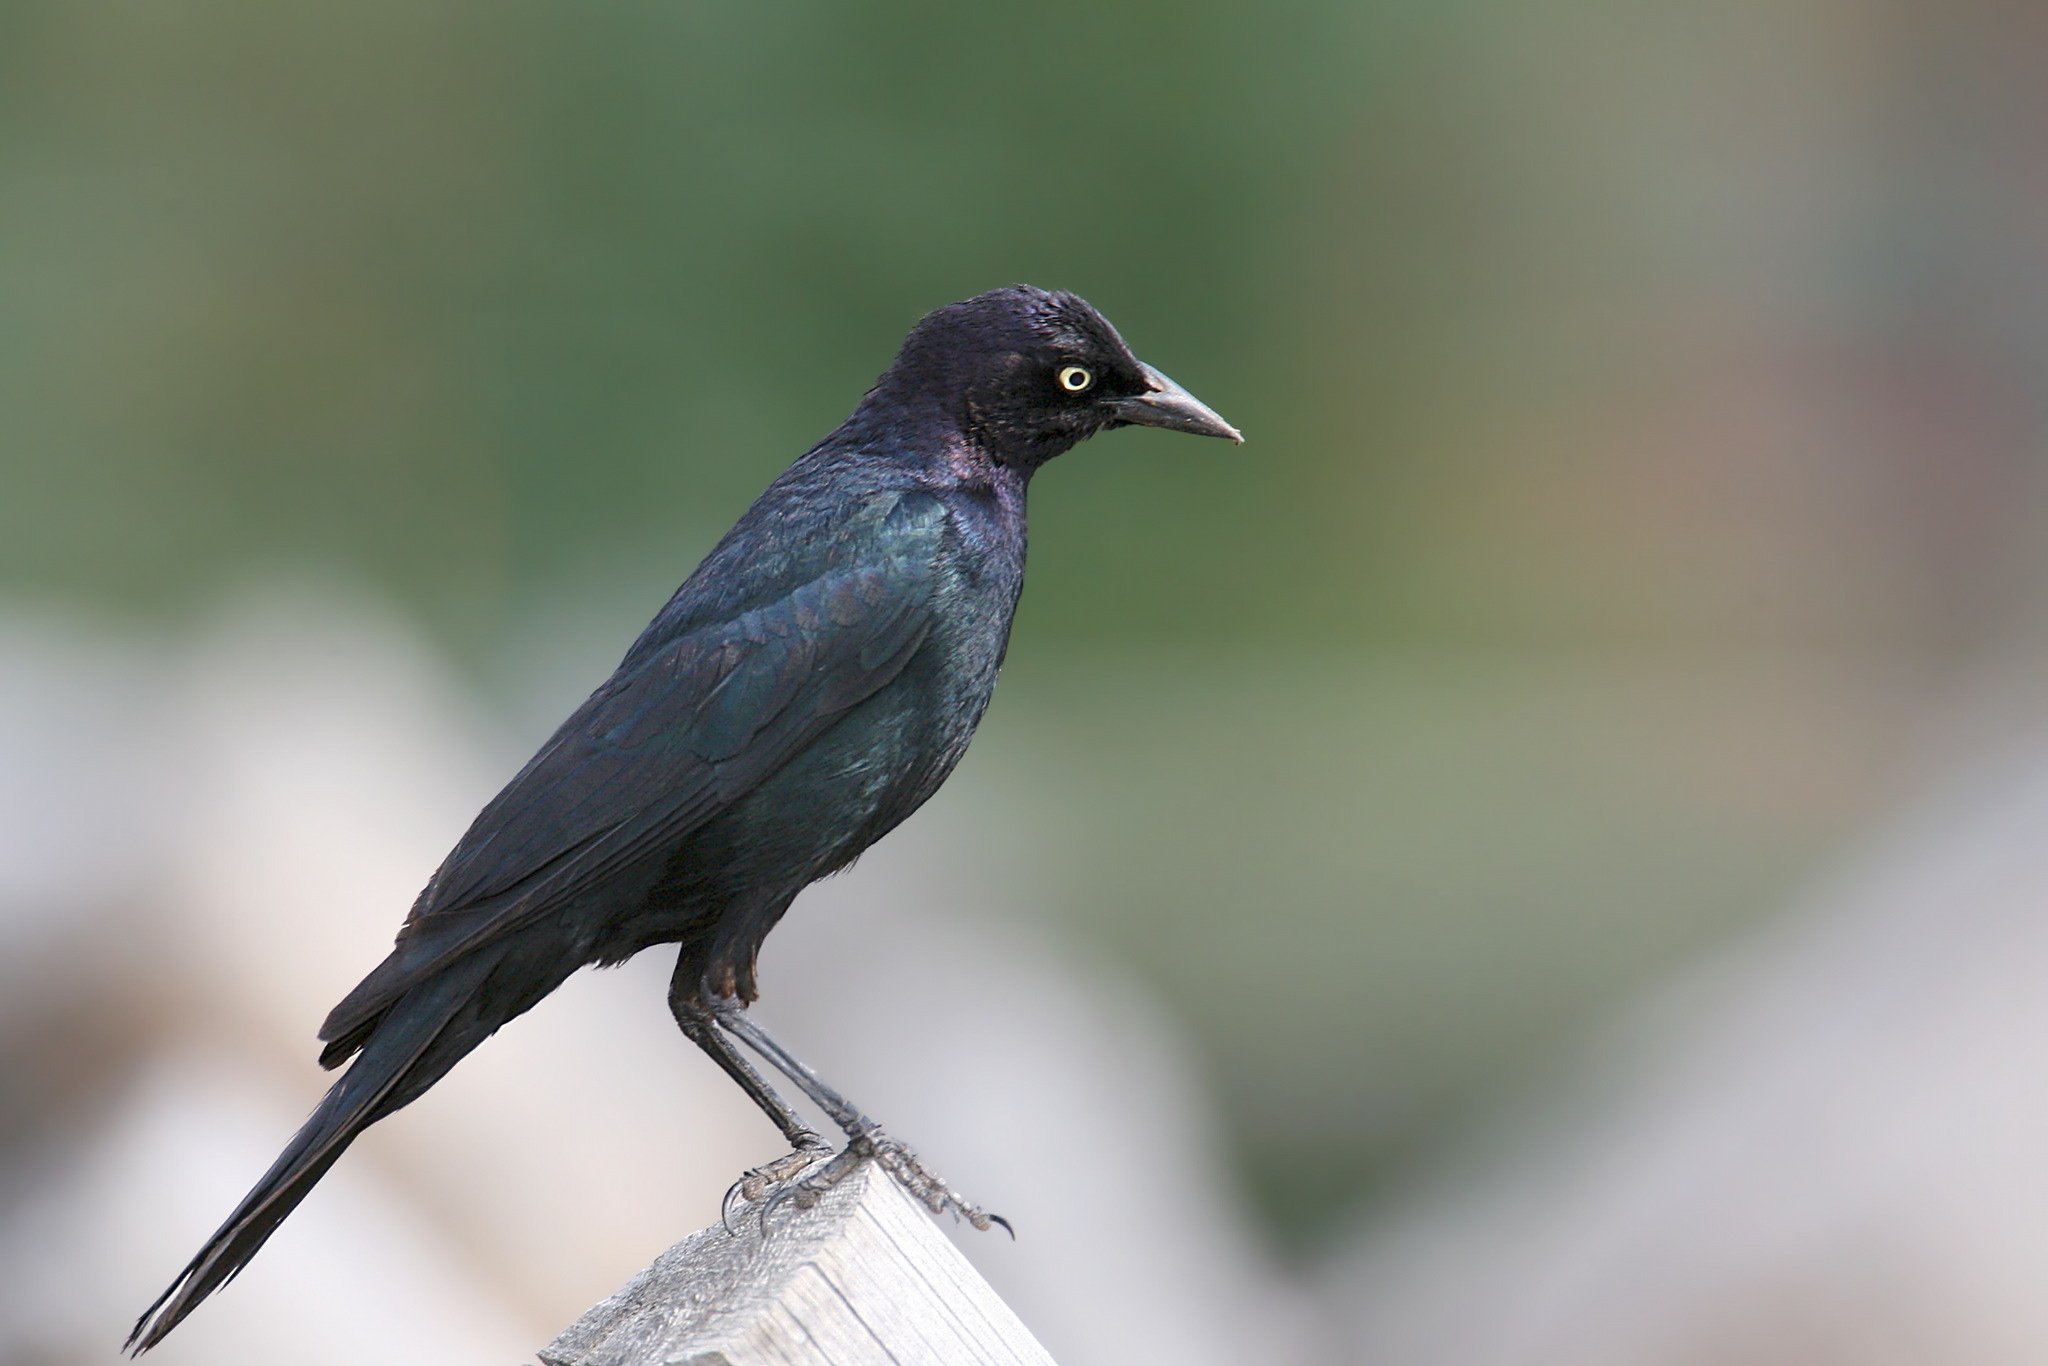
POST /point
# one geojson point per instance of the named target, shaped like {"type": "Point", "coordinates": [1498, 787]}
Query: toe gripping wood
{"type": "Point", "coordinates": [864, 1276]}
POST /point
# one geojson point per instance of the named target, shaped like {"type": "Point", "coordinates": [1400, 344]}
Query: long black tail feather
{"type": "Point", "coordinates": [400, 1060]}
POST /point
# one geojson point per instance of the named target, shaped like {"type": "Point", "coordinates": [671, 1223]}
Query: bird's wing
{"type": "Point", "coordinates": [666, 745]}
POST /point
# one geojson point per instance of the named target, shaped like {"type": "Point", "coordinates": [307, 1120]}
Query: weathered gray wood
{"type": "Point", "coordinates": [864, 1278]}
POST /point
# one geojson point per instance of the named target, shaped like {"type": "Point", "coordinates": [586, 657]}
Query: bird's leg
{"type": "Point", "coordinates": [733, 1016]}
{"type": "Point", "coordinates": [865, 1138]}
{"type": "Point", "coordinates": [699, 1029]}
{"type": "Point", "coordinates": [806, 1147]}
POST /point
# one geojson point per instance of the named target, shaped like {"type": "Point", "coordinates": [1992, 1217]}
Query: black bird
{"type": "Point", "coordinates": [808, 687]}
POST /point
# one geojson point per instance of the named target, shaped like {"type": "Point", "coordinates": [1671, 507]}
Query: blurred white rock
{"type": "Point", "coordinates": [1830, 1148]}
{"type": "Point", "coordinates": [356, 1275]}
{"type": "Point", "coordinates": [328, 762]}
{"type": "Point", "coordinates": [81, 824]}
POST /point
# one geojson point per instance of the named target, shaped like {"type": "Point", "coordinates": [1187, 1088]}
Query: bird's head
{"type": "Point", "coordinates": [1029, 372]}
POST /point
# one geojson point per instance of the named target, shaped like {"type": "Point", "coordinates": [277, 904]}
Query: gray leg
{"type": "Point", "coordinates": [865, 1137]}
{"type": "Point", "coordinates": [733, 1016]}
{"type": "Point", "coordinates": [699, 1028]}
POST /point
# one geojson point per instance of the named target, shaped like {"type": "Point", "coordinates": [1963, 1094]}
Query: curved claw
{"type": "Point", "coordinates": [768, 1208]}
{"type": "Point", "coordinates": [794, 1190]}
{"type": "Point", "coordinates": [769, 1176]}
{"type": "Point", "coordinates": [999, 1219]}
{"type": "Point", "coordinates": [725, 1207]}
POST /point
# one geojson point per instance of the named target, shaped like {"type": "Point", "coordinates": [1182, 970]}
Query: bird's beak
{"type": "Point", "coordinates": [1168, 405]}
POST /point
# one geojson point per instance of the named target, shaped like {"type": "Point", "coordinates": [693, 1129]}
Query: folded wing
{"type": "Point", "coordinates": [661, 748]}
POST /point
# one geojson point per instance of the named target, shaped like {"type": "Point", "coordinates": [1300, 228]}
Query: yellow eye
{"type": "Point", "coordinates": [1074, 379]}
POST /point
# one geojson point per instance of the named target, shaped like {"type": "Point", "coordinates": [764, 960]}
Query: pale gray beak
{"type": "Point", "coordinates": [1170, 406]}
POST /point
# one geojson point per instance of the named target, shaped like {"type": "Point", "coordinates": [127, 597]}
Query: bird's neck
{"type": "Point", "coordinates": [944, 443]}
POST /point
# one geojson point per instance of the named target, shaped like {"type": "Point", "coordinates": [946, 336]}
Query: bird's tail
{"type": "Point", "coordinates": [423, 1034]}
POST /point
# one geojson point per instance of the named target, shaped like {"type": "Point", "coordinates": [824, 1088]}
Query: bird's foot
{"type": "Point", "coordinates": [924, 1184]}
{"type": "Point", "coordinates": [772, 1176]}
{"type": "Point", "coordinates": [807, 1186]}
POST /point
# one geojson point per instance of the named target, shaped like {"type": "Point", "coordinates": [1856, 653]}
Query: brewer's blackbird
{"type": "Point", "coordinates": [808, 687]}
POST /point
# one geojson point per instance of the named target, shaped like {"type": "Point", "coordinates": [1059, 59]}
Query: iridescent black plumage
{"type": "Point", "coordinates": [808, 687]}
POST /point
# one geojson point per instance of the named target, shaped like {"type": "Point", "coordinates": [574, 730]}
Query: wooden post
{"type": "Point", "coordinates": [862, 1278]}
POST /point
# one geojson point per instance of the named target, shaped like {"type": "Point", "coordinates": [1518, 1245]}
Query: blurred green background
{"type": "Point", "coordinates": [1621, 483]}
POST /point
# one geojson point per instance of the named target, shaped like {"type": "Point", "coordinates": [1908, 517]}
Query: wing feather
{"type": "Point", "coordinates": [674, 738]}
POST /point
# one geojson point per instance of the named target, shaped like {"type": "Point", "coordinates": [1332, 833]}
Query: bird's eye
{"type": "Point", "coordinates": [1074, 378]}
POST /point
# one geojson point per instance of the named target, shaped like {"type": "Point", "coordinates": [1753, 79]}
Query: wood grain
{"type": "Point", "coordinates": [864, 1278]}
